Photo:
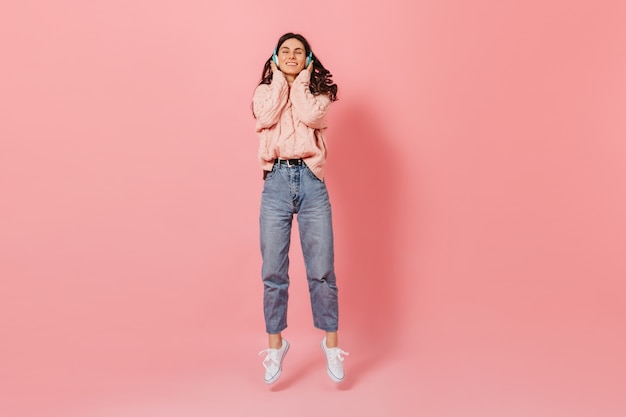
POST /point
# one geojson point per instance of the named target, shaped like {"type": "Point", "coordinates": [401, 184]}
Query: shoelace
{"type": "Point", "coordinates": [271, 358]}
{"type": "Point", "coordinates": [335, 355]}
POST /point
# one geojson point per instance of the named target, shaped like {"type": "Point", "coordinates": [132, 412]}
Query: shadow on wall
{"type": "Point", "coordinates": [365, 191]}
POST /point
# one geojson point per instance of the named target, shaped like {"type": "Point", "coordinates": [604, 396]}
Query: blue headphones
{"type": "Point", "coordinates": [309, 58]}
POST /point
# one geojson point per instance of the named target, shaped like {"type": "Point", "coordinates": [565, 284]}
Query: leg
{"type": "Point", "coordinates": [316, 237]}
{"type": "Point", "coordinates": [275, 226]}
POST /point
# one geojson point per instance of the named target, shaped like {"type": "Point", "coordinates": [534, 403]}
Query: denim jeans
{"type": "Point", "coordinates": [290, 190]}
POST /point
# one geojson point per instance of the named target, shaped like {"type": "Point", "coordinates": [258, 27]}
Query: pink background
{"type": "Point", "coordinates": [478, 178]}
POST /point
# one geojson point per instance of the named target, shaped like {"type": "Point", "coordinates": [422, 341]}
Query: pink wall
{"type": "Point", "coordinates": [476, 172]}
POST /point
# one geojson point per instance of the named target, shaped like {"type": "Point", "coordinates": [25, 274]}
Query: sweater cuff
{"type": "Point", "coordinates": [304, 77]}
{"type": "Point", "coordinates": [278, 79]}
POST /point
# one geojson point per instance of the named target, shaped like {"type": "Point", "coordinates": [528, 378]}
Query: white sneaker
{"type": "Point", "coordinates": [334, 362]}
{"type": "Point", "coordinates": [273, 362]}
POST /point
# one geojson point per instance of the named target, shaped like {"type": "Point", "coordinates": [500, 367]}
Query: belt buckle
{"type": "Point", "coordinates": [298, 162]}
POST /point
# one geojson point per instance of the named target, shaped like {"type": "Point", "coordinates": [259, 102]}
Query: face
{"type": "Point", "coordinates": [291, 56]}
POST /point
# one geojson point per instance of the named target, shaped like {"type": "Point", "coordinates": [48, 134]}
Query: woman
{"type": "Point", "coordinates": [289, 105]}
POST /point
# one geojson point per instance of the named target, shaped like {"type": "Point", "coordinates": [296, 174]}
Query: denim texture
{"type": "Point", "coordinates": [289, 191]}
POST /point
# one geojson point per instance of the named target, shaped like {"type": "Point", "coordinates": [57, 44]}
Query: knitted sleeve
{"type": "Point", "coordinates": [269, 100]}
{"type": "Point", "coordinates": [309, 108]}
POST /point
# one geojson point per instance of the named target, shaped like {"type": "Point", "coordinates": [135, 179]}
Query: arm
{"type": "Point", "coordinates": [269, 100]}
{"type": "Point", "coordinates": [309, 108]}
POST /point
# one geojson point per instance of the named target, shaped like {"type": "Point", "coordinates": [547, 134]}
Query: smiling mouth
{"type": "Point", "coordinates": [293, 64]}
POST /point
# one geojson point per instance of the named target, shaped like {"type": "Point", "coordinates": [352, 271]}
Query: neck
{"type": "Point", "coordinates": [290, 78]}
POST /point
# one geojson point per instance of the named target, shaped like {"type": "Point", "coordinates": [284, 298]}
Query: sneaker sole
{"type": "Point", "coordinates": [280, 369]}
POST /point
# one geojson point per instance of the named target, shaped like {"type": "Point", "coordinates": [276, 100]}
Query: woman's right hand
{"type": "Point", "coordinates": [274, 67]}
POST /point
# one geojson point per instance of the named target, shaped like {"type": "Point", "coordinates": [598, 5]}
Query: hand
{"type": "Point", "coordinates": [274, 67]}
{"type": "Point", "coordinates": [310, 67]}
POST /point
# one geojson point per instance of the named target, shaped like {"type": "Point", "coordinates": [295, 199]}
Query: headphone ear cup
{"type": "Point", "coordinates": [275, 57]}
{"type": "Point", "coordinates": [309, 59]}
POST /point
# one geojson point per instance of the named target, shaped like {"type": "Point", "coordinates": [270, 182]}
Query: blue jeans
{"type": "Point", "coordinates": [290, 190]}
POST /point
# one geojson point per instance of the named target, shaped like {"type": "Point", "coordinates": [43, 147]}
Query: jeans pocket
{"type": "Point", "coordinates": [268, 175]}
{"type": "Point", "coordinates": [311, 174]}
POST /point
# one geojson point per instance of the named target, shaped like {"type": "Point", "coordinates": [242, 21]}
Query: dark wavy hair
{"type": "Point", "coordinates": [321, 78]}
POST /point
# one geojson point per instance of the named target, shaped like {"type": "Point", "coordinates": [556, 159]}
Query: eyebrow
{"type": "Point", "coordinates": [295, 49]}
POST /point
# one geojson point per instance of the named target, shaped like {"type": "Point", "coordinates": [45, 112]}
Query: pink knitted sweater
{"type": "Point", "coordinates": [290, 122]}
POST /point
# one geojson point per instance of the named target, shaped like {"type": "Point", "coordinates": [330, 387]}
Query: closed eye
{"type": "Point", "coordinates": [297, 51]}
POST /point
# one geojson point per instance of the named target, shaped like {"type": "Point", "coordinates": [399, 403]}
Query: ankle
{"type": "Point", "coordinates": [275, 341]}
{"type": "Point", "coordinates": [331, 340]}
